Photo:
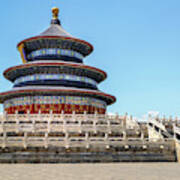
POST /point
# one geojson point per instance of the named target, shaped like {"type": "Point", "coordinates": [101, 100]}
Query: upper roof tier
{"type": "Point", "coordinates": [54, 44]}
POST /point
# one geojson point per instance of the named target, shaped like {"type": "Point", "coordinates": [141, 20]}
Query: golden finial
{"type": "Point", "coordinates": [55, 12]}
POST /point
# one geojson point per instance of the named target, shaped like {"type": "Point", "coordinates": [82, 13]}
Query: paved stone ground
{"type": "Point", "coordinates": [123, 171]}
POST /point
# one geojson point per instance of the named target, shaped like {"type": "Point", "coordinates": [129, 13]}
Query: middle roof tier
{"type": "Point", "coordinates": [56, 68]}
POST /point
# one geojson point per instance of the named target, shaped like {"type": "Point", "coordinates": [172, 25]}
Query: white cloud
{"type": "Point", "coordinates": [153, 113]}
{"type": "Point", "coordinates": [111, 113]}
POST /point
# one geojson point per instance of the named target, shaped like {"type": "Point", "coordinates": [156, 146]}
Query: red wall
{"type": "Point", "coordinates": [55, 108]}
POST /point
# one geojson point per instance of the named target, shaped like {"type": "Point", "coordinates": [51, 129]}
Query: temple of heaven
{"type": "Point", "coordinates": [55, 112]}
{"type": "Point", "coordinates": [53, 77]}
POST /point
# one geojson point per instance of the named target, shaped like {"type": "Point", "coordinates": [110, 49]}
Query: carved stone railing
{"type": "Point", "coordinates": [71, 117]}
{"type": "Point", "coordinates": [176, 130]}
{"type": "Point", "coordinates": [27, 126]}
{"type": "Point", "coordinates": [68, 142]}
{"type": "Point", "coordinates": [157, 123]}
{"type": "Point", "coordinates": [49, 127]}
{"type": "Point", "coordinates": [89, 122]}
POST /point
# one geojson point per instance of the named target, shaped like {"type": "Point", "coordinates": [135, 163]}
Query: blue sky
{"type": "Point", "coordinates": [136, 42]}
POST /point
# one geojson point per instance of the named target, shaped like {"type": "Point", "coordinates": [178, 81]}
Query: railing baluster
{"type": "Point", "coordinates": [4, 139]}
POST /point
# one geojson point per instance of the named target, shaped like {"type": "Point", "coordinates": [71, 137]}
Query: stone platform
{"type": "Point", "coordinates": [93, 155]}
{"type": "Point", "coordinates": [82, 138]}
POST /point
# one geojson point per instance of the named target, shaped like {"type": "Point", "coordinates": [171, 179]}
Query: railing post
{"type": "Point", "coordinates": [157, 118]}
{"type": "Point", "coordinates": [164, 119]}
{"type": "Point", "coordinates": [64, 122]}
{"type": "Point", "coordinates": [87, 140]}
{"type": "Point", "coordinates": [148, 126]}
{"type": "Point", "coordinates": [4, 139]}
{"type": "Point", "coordinates": [109, 126]}
{"type": "Point", "coordinates": [5, 116]}
{"type": "Point", "coordinates": [39, 115]}
{"type": "Point", "coordinates": [33, 125]}
{"type": "Point", "coordinates": [46, 140]}
{"type": "Point", "coordinates": [25, 140]}
{"type": "Point", "coordinates": [94, 122]}
{"type": "Point", "coordinates": [124, 120]}
{"type": "Point", "coordinates": [160, 134]}
{"type": "Point", "coordinates": [142, 136]}
{"type": "Point", "coordinates": [176, 120]}
{"type": "Point", "coordinates": [85, 116]}
{"type": "Point", "coordinates": [174, 132]}
{"type": "Point", "coordinates": [106, 140]}
{"type": "Point", "coordinates": [49, 126]}
{"type": "Point", "coordinates": [106, 116]}
{"type": "Point", "coordinates": [170, 118]}
{"type": "Point", "coordinates": [17, 122]}
{"type": "Point", "coordinates": [3, 120]}
{"type": "Point", "coordinates": [28, 115]}
{"type": "Point", "coordinates": [51, 115]}
{"type": "Point", "coordinates": [116, 116]}
{"type": "Point", "coordinates": [49, 121]}
{"type": "Point", "coordinates": [124, 135]}
{"type": "Point", "coordinates": [131, 118]}
{"type": "Point", "coordinates": [29, 118]}
{"type": "Point", "coordinates": [67, 141]}
{"type": "Point", "coordinates": [73, 116]}
{"type": "Point", "coordinates": [80, 126]}
{"type": "Point", "coordinates": [62, 115]}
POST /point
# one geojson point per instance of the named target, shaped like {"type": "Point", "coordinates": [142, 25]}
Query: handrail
{"type": "Point", "coordinates": [158, 124]}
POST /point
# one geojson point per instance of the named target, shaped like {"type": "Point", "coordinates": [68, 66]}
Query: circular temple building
{"type": "Point", "coordinates": [53, 78]}
{"type": "Point", "coordinates": [55, 112]}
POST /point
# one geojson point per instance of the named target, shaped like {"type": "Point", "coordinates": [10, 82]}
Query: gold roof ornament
{"type": "Point", "coordinates": [55, 12]}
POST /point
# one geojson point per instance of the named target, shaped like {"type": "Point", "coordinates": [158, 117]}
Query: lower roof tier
{"type": "Point", "coordinates": [51, 91]}
{"type": "Point", "coordinates": [54, 67]}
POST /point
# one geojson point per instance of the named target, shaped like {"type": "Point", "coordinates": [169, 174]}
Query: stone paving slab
{"type": "Point", "coordinates": [123, 171]}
